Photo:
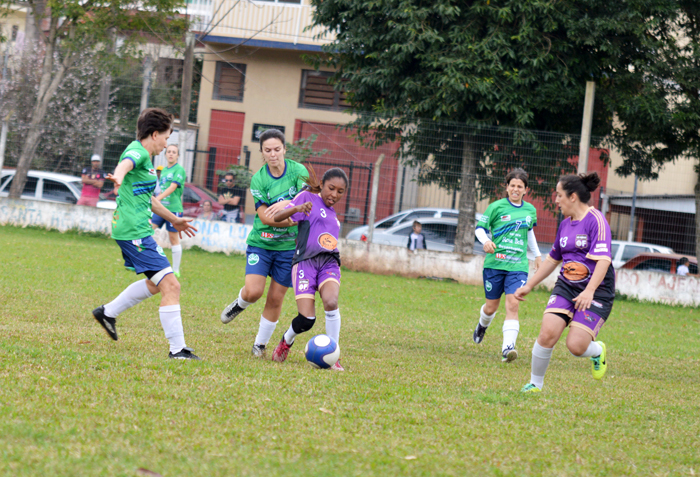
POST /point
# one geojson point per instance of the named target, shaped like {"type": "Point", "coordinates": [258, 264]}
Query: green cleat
{"type": "Point", "coordinates": [177, 274]}
{"type": "Point", "coordinates": [530, 388]}
{"type": "Point", "coordinates": [599, 364]}
{"type": "Point", "coordinates": [129, 269]}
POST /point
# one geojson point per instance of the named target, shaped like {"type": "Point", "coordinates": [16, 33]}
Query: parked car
{"type": "Point", "coordinates": [192, 199]}
{"type": "Point", "coordinates": [405, 216]}
{"type": "Point", "coordinates": [623, 251]}
{"type": "Point", "coordinates": [44, 186]}
{"type": "Point", "coordinates": [439, 234]}
{"type": "Point", "coordinates": [661, 262]}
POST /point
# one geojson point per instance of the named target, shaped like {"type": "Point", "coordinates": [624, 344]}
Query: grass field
{"type": "Point", "coordinates": [418, 397]}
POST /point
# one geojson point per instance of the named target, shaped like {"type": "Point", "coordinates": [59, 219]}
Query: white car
{"type": "Point", "coordinates": [439, 235]}
{"type": "Point", "coordinates": [44, 186]}
{"type": "Point", "coordinates": [622, 251]}
{"type": "Point", "coordinates": [403, 217]}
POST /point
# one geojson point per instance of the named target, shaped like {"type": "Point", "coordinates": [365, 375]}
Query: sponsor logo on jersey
{"type": "Point", "coordinates": [552, 299]}
{"type": "Point", "coordinates": [327, 241]}
{"type": "Point", "coordinates": [303, 284]}
{"type": "Point", "coordinates": [575, 272]}
{"type": "Point", "coordinates": [581, 241]}
{"type": "Point", "coordinates": [488, 286]}
{"type": "Point", "coordinates": [596, 304]}
{"type": "Point", "coordinates": [562, 241]}
{"type": "Point", "coordinates": [333, 274]}
{"type": "Point", "coordinates": [152, 172]}
{"type": "Point", "coordinates": [253, 259]}
{"type": "Point", "coordinates": [601, 247]}
{"type": "Point", "coordinates": [588, 317]}
{"type": "Point", "coordinates": [267, 235]}
{"type": "Point", "coordinates": [505, 218]}
{"type": "Point", "coordinates": [502, 256]}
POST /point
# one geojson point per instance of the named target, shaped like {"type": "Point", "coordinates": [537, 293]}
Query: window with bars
{"type": "Point", "coordinates": [229, 82]}
{"type": "Point", "coordinates": [316, 93]}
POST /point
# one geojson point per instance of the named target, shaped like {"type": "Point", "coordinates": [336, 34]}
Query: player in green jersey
{"type": "Point", "coordinates": [511, 222]}
{"type": "Point", "coordinates": [134, 180]}
{"type": "Point", "coordinates": [271, 244]}
{"type": "Point", "coordinates": [172, 183]}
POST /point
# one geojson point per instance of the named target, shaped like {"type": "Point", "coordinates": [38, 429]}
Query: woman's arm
{"type": "Point", "coordinates": [583, 301]}
{"type": "Point", "coordinates": [118, 177]}
{"type": "Point", "coordinates": [286, 213]}
{"type": "Point", "coordinates": [267, 220]}
{"type": "Point", "coordinates": [171, 188]}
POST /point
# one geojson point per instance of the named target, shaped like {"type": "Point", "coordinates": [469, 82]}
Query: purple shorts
{"type": "Point", "coordinates": [587, 320]}
{"type": "Point", "coordinates": [310, 275]}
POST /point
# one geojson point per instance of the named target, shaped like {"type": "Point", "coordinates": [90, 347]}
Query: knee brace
{"type": "Point", "coordinates": [301, 324]}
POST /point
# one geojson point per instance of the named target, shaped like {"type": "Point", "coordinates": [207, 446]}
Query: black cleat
{"type": "Point", "coordinates": [184, 353]}
{"type": "Point", "coordinates": [109, 324]}
{"type": "Point", "coordinates": [230, 312]}
{"type": "Point", "coordinates": [479, 333]}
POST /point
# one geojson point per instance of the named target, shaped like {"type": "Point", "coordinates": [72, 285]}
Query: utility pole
{"type": "Point", "coordinates": [585, 144]}
{"type": "Point", "coordinates": [103, 107]}
{"type": "Point", "coordinates": [186, 94]}
{"type": "Point", "coordinates": [3, 134]}
{"type": "Point", "coordinates": [146, 87]}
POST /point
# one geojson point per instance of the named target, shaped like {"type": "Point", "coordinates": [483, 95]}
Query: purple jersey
{"type": "Point", "coordinates": [580, 245]}
{"type": "Point", "coordinates": [318, 231]}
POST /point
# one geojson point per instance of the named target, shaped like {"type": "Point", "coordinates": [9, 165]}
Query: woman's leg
{"type": "Point", "coordinates": [329, 294]}
{"type": "Point", "coordinates": [177, 251]}
{"type": "Point", "coordinates": [550, 332]}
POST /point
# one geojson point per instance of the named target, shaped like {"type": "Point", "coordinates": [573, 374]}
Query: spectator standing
{"type": "Point", "coordinates": [93, 178]}
{"type": "Point", "coordinates": [233, 199]}
{"type": "Point", "coordinates": [417, 239]}
{"type": "Point", "coordinates": [683, 267]}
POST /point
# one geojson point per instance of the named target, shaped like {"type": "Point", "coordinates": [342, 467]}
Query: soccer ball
{"type": "Point", "coordinates": [322, 352]}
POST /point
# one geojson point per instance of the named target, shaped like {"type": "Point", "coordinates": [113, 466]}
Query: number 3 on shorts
{"type": "Point", "coordinates": [301, 273]}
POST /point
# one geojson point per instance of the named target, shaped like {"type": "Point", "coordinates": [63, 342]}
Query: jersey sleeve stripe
{"type": "Point", "coordinates": [555, 262]}
{"type": "Point", "coordinates": [598, 257]}
{"type": "Point", "coordinates": [601, 225]}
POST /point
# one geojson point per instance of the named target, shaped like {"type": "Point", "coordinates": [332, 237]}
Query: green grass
{"type": "Point", "coordinates": [73, 402]}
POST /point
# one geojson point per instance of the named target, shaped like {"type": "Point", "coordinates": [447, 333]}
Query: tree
{"type": "Point", "coordinates": [75, 26]}
{"type": "Point", "coordinates": [453, 70]}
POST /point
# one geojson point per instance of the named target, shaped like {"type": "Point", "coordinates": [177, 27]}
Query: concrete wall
{"type": "Point", "coordinates": [358, 256]}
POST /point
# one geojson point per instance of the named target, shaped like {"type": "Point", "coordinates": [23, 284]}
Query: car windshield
{"type": "Point", "coordinates": [77, 185]}
{"type": "Point", "coordinates": [212, 195]}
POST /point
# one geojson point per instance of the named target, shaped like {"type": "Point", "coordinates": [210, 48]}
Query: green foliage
{"type": "Point", "coordinates": [74, 402]}
{"type": "Point", "coordinates": [302, 149]}
{"type": "Point", "coordinates": [242, 174]}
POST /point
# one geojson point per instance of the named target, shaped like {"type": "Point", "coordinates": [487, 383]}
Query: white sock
{"type": "Point", "coordinates": [265, 330]}
{"type": "Point", "coordinates": [594, 349]}
{"type": "Point", "coordinates": [290, 334]}
{"type": "Point", "coordinates": [510, 333]}
{"type": "Point", "coordinates": [333, 324]}
{"type": "Point", "coordinates": [171, 321]}
{"type": "Point", "coordinates": [131, 296]}
{"type": "Point", "coordinates": [177, 257]}
{"type": "Point", "coordinates": [241, 302]}
{"type": "Point", "coordinates": [540, 360]}
{"type": "Point", "coordinates": [484, 319]}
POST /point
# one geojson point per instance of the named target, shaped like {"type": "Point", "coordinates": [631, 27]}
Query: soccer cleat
{"type": "Point", "coordinates": [177, 274]}
{"type": "Point", "coordinates": [337, 366]}
{"type": "Point", "coordinates": [281, 351]}
{"type": "Point", "coordinates": [129, 269]}
{"type": "Point", "coordinates": [230, 312]}
{"type": "Point", "coordinates": [109, 324]}
{"type": "Point", "coordinates": [509, 354]}
{"type": "Point", "coordinates": [530, 388]}
{"type": "Point", "coordinates": [184, 353]}
{"type": "Point", "coordinates": [258, 351]}
{"type": "Point", "coordinates": [479, 333]}
{"type": "Point", "coordinates": [599, 364]}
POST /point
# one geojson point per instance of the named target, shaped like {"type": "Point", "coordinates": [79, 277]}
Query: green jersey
{"type": "Point", "coordinates": [509, 225]}
{"type": "Point", "coordinates": [175, 174]}
{"type": "Point", "coordinates": [266, 190]}
{"type": "Point", "coordinates": [131, 219]}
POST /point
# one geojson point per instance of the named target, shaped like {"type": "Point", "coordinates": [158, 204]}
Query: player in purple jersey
{"type": "Point", "coordinates": [316, 264]}
{"type": "Point", "coordinates": [585, 290]}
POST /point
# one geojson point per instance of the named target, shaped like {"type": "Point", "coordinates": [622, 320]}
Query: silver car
{"type": "Point", "coordinates": [44, 186]}
{"type": "Point", "coordinates": [404, 217]}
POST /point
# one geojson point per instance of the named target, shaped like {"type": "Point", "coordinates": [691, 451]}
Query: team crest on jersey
{"type": "Point", "coordinates": [292, 191]}
{"type": "Point", "coordinates": [552, 299]}
{"type": "Point", "coordinates": [159, 249]}
{"type": "Point", "coordinates": [303, 284]}
{"type": "Point", "coordinates": [505, 218]}
{"type": "Point", "coordinates": [327, 241]}
{"type": "Point", "coordinates": [581, 241]}
{"type": "Point", "coordinates": [488, 286]}
{"type": "Point", "coordinates": [152, 172]}
{"type": "Point", "coordinates": [253, 259]}
{"type": "Point", "coordinates": [562, 241]}
{"type": "Point", "coordinates": [528, 220]}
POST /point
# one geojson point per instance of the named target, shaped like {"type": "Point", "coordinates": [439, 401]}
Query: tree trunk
{"type": "Point", "coordinates": [464, 240]}
{"type": "Point", "coordinates": [186, 95]}
{"type": "Point", "coordinates": [697, 214]}
{"type": "Point", "coordinates": [50, 82]}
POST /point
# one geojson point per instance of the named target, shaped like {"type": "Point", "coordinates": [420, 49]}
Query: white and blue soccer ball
{"type": "Point", "coordinates": [322, 351]}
